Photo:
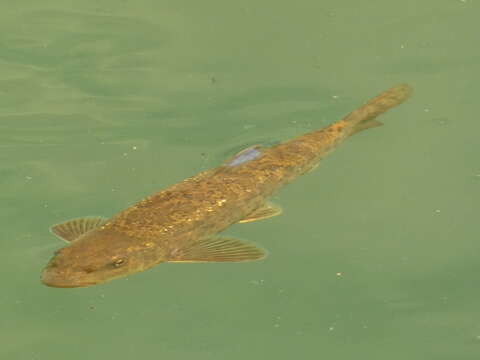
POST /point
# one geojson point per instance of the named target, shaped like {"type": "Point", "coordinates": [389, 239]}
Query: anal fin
{"type": "Point", "coordinates": [72, 229]}
{"type": "Point", "coordinates": [219, 249]}
{"type": "Point", "coordinates": [266, 211]}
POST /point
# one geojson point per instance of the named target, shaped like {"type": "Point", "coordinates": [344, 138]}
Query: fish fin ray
{"type": "Point", "coordinates": [268, 210]}
{"type": "Point", "coordinates": [72, 229]}
{"type": "Point", "coordinates": [219, 249]}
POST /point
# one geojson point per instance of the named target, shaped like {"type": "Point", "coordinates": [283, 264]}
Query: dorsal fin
{"type": "Point", "coordinates": [245, 155]}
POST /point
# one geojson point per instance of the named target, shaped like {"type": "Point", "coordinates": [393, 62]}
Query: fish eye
{"type": "Point", "coordinates": [88, 269]}
{"type": "Point", "coordinates": [118, 262]}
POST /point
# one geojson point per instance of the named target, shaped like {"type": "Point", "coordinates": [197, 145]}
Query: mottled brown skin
{"type": "Point", "coordinates": [160, 227]}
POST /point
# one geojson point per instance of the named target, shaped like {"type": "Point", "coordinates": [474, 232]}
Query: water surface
{"type": "Point", "coordinates": [376, 253]}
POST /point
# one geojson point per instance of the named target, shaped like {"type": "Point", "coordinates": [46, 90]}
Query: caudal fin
{"type": "Point", "coordinates": [364, 117]}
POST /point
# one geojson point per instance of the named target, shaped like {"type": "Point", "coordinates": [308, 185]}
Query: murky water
{"type": "Point", "coordinates": [376, 253]}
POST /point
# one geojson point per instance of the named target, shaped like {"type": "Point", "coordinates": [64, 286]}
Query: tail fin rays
{"type": "Point", "coordinates": [364, 117]}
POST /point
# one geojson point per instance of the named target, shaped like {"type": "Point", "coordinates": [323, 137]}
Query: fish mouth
{"type": "Point", "coordinates": [54, 279]}
{"type": "Point", "coordinates": [67, 285]}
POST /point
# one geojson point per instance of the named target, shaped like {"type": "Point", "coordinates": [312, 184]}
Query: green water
{"type": "Point", "coordinates": [376, 255]}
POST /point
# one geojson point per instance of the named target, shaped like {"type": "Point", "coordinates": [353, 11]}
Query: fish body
{"type": "Point", "coordinates": [181, 222]}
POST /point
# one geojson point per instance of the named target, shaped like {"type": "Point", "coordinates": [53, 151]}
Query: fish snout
{"type": "Point", "coordinates": [55, 277]}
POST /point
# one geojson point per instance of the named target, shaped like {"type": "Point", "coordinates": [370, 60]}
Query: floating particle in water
{"type": "Point", "coordinates": [440, 121]}
{"type": "Point", "coordinates": [257, 282]}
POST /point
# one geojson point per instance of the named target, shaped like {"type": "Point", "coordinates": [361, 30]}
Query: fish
{"type": "Point", "coordinates": [182, 223]}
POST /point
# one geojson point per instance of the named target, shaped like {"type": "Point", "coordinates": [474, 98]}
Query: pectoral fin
{"type": "Point", "coordinates": [219, 249]}
{"type": "Point", "coordinates": [72, 229]}
{"type": "Point", "coordinates": [266, 211]}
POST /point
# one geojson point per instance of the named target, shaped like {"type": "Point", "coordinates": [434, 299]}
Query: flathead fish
{"type": "Point", "coordinates": [181, 223]}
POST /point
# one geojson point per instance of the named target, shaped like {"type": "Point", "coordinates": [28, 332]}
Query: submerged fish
{"type": "Point", "coordinates": [181, 223]}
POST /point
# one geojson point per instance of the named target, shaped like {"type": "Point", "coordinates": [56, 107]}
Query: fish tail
{"type": "Point", "coordinates": [364, 117]}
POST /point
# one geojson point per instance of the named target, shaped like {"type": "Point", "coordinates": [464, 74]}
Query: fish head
{"type": "Point", "coordinates": [100, 256]}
